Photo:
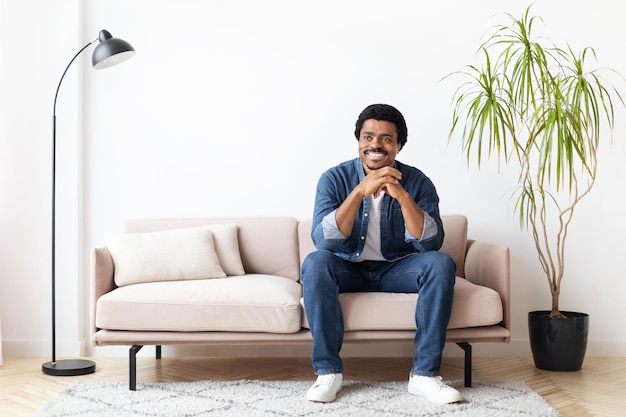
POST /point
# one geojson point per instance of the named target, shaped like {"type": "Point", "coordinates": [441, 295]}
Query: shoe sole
{"type": "Point", "coordinates": [323, 399]}
{"type": "Point", "coordinates": [457, 399]}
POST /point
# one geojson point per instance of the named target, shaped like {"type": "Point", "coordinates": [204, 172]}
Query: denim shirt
{"type": "Point", "coordinates": [333, 188]}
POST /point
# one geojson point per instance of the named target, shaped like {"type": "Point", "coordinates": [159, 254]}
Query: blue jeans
{"type": "Point", "coordinates": [431, 274]}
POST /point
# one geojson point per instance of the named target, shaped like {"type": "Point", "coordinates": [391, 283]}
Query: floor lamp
{"type": "Point", "coordinates": [110, 51]}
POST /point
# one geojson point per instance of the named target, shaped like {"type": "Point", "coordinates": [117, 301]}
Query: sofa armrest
{"type": "Point", "coordinates": [102, 279]}
{"type": "Point", "coordinates": [489, 265]}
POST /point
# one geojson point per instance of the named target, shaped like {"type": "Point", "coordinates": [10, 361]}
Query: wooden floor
{"type": "Point", "coordinates": [599, 389]}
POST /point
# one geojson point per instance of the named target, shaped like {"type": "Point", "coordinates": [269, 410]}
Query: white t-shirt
{"type": "Point", "coordinates": [372, 250]}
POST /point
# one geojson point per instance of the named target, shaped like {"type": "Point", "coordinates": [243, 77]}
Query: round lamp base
{"type": "Point", "coordinates": [69, 367]}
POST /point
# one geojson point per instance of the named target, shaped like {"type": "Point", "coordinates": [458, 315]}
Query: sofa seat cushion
{"type": "Point", "coordinates": [473, 306]}
{"type": "Point", "coordinates": [247, 303]}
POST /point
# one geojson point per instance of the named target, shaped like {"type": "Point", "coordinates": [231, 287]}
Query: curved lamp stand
{"type": "Point", "coordinates": [110, 51]}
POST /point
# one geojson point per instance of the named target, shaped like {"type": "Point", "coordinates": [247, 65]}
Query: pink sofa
{"type": "Point", "coordinates": [139, 297]}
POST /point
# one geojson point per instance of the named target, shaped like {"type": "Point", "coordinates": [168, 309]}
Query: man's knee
{"type": "Point", "coordinates": [446, 263]}
{"type": "Point", "coordinates": [442, 266]}
{"type": "Point", "coordinates": [318, 266]}
{"type": "Point", "coordinates": [316, 259]}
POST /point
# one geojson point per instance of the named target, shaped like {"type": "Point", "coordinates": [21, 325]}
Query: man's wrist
{"type": "Point", "coordinates": [404, 198]}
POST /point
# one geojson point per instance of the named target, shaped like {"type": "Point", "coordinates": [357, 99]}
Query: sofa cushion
{"type": "Point", "coordinates": [227, 248]}
{"type": "Point", "coordinates": [249, 303]}
{"type": "Point", "coordinates": [473, 306]}
{"type": "Point", "coordinates": [179, 254]}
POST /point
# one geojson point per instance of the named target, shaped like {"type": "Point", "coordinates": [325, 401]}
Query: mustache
{"type": "Point", "coordinates": [377, 150]}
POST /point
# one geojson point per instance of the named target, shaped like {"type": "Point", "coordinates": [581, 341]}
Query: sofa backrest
{"type": "Point", "coordinates": [267, 245]}
{"type": "Point", "coordinates": [277, 245]}
{"type": "Point", "coordinates": [455, 240]}
{"type": "Point", "coordinates": [454, 243]}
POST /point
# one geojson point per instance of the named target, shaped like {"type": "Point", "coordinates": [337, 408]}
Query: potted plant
{"type": "Point", "coordinates": [538, 108]}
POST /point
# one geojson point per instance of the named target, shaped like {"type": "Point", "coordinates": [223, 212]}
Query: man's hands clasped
{"type": "Point", "coordinates": [385, 179]}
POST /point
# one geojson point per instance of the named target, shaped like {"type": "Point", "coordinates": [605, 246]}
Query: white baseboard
{"type": "Point", "coordinates": [522, 348]}
{"type": "Point", "coordinates": [38, 348]}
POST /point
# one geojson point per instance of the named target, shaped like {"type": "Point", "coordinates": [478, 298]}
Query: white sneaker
{"type": "Point", "coordinates": [325, 388]}
{"type": "Point", "coordinates": [433, 389]}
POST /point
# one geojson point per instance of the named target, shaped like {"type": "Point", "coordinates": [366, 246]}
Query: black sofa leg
{"type": "Point", "coordinates": [132, 367]}
{"type": "Point", "coordinates": [158, 351]}
{"type": "Point", "coordinates": [468, 362]}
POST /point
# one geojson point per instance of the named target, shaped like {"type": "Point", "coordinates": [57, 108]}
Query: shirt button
{"type": "Point", "coordinates": [365, 215]}
{"type": "Point", "coordinates": [362, 237]}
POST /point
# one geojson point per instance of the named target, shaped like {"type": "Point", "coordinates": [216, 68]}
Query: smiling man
{"type": "Point", "coordinates": [376, 227]}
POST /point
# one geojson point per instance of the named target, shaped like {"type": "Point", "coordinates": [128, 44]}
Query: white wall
{"type": "Point", "coordinates": [235, 108]}
{"type": "Point", "coordinates": [37, 40]}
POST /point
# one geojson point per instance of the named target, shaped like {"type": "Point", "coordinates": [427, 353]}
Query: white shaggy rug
{"type": "Point", "coordinates": [287, 398]}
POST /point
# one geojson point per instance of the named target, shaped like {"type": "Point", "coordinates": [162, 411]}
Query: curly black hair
{"type": "Point", "coordinates": [383, 112]}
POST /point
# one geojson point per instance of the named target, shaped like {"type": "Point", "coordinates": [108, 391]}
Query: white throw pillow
{"type": "Point", "coordinates": [227, 248]}
{"type": "Point", "coordinates": [169, 255]}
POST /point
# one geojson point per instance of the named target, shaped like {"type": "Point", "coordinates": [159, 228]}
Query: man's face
{"type": "Point", "coordinates": [378, 144]}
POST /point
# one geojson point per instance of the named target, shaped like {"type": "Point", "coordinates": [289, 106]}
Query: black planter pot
{"type": "Point", "coordinates": [558, 344]}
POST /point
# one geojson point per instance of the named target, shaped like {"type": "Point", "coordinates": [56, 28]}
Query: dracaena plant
{"type": "Point", "coordinates": [540, 109]}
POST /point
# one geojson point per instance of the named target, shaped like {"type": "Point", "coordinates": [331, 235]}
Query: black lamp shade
{"type": "Point", "coordinates": [110, 51]}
